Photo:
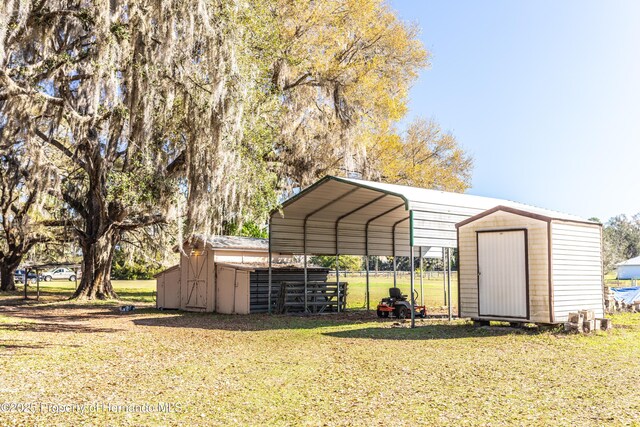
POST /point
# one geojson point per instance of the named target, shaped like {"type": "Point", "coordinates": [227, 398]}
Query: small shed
{"type": "Point", "coordinates": [629, 269]}
{"type": "Point", "coordinates": [197, 266]}
{"type": "Point", "coordinates": [227, 274]}
{"type": "Point", "coordinates": [191, 285]}
{"type": "Point", "coordinates": [523, 266]}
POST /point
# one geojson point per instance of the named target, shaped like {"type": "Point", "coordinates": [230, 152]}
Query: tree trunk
{"type": "Point", "coordinates": [6, 277]}
{"type": "Point", "coordinates": [96, 268]}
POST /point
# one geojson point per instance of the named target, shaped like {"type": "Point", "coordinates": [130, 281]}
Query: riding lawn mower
{"type": "Point", "coordinates": [399, 305]}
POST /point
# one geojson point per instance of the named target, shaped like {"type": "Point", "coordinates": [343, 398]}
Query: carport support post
{"type": "Point", "coordinates": [305, 284]}
{"type": "Point", "coordinates": [338, 279]}
{"type": "Point", "coordinates": [366, 263]}
{"type": "Point", "coordinates": [413, 297]}
{"type": "Point", "coordinates": [395, 273]}
{"type": "Point", "coordinates": [449, 283]}
{"type": "Point", "coordinates": [269, 291]}
{"type": "Point", "coordinates": [444, 275]}
{"type": "Point", "coordinates": [421, 283]}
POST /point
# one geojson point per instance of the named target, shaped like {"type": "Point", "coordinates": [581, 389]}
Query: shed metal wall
{"type": "Point", "coordinates": [259, 281]}
{"type": "Point", "coordinates": [628, 272]}
{"type": "Point", "coordinates": [433, 223]}
{"type": "Point", "coordinates": [245, 289]}
{"type": "Point", "coordinates": [537, 236]}
{"type": "Point", "coordinates": [576, 268]}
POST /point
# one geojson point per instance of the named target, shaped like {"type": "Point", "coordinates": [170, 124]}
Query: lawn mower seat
{"type": "Point", "coordinates": [396, 294]}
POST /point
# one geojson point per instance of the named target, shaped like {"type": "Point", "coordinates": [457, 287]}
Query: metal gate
{"type": "Point", "coordinates": [503, 288]}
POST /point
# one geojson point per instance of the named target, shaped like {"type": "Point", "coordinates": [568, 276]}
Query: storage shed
{"type": "Point", "coordinates": [523, 266]}
{"type": "Point", "coordinates": [191, 284]}
{"type": "Point", "coordinates": [227, 274]}
{"type": "Point", "coordinates": [629, 269]}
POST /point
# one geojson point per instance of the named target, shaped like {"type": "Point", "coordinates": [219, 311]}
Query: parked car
{"type": "Point", "coordinates": [18, 276]}
{"type": "Point", "coordinates": [59, 273]}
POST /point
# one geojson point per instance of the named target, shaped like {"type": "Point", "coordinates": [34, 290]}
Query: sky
{"type": "Point", "coordinates": [545, 95]}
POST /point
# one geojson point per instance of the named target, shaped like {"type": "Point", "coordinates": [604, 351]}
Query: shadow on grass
{"type": "Point", "coordinates": [4, 346]}
{"type": "Point", "coordinates": [53, 327]}
{"type": "Point", "coordinates": [263, 322]}
{"type": "Point", "coordinates": [61, 316]}
{"type": "Point", "coordinates": [430, 332]}
{"type": "Point", "coordinates": [252, 322]}
{"type": "Point", "coordinates": [12, 345]}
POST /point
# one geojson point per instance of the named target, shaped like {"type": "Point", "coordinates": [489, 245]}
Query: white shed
{"type": "Point", "coordinates": [521, 266]}
{"type": "Point", "coordinates": [629, 269]}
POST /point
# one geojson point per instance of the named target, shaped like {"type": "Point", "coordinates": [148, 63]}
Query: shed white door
{"type": "Point", "coordinates": [502, 274]}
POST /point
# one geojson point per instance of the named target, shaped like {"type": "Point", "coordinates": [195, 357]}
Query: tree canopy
{"type": "Point", "coordinates": [424, 156]}
{"type": "Point", "coordinates": [26, 204]}
{"type": "Point", "coordinates": [621, 238]}
{"type": "Point", "coordinates": [196, 116]}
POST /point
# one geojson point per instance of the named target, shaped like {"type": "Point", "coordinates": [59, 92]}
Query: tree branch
{"type": "Point", "coordinates": [60, 146]}
{"type": "Point", "coordinates": [143, 221]}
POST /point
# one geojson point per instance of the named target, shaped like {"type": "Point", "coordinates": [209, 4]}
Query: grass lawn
{"type": "Point", "coordinates": [348, 369]}
{"type": "Point", "coordinates": [611, 280]}
{"type": "Point", "coordinates": [144, 290]}
{"type": "Point", "coordinates": [379, 288]}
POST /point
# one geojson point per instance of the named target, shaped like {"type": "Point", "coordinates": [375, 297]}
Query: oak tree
{"type": "Point", "coordinates": [424, 156]}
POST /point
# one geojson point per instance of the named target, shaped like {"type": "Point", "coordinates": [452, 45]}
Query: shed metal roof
{"type": "Point", "coordinates": [528, 213]}
{"type": "Point", "coordinates": [632, 261]}
{"type": "Point", "coordinates": [357, 217]}
{"type": "Point", "coordinates": [230, 242]}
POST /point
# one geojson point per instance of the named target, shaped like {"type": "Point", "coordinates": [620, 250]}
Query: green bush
{"type": "Point", "coordinates": [136, 268]}
{"type": "Point", "coordinates": [133, 271]}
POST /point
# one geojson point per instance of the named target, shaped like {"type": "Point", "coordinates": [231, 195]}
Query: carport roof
{"type": "Point", "coordinates": [357, 217]}
{"type": "Point", "coordinates": [413, 196]}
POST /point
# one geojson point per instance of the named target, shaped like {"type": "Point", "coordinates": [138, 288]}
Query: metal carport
{"type": "Point", "coordinates": [337, 216]}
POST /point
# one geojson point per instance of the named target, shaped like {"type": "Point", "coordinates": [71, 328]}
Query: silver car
{"type": "Point", "coordinates": [59, 273]}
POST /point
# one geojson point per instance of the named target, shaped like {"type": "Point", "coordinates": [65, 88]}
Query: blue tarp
{"type": "Point", "coordinates": [627, 295]}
